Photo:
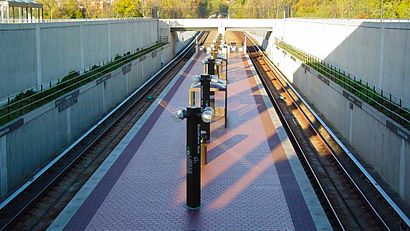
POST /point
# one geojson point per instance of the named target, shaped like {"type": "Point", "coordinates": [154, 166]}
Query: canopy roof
{"type": "Point", "coordinates": [21, 3]}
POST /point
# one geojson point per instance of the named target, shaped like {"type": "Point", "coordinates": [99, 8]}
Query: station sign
{"type": "Point", "coordinates": [398, 131]}
{"type": "Point", "coordinates": [126, 68]}
{"type": "Point", "coordinates": [11, 127]}
{"type": "Point", "coordinates": [67, 101]}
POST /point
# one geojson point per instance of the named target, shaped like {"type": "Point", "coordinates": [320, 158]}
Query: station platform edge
{"type": "Point", "coordinates": [253, 180]}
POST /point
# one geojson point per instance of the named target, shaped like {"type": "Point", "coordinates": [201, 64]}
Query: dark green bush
{"type": "Point", "coordinates": [23, 95]}
{"type": "Point", "coordinates": [70, 75]}
{"type": "Point", "coordinates": [94, 67]}
{"type": "Point", "coordinates": [117, 57]}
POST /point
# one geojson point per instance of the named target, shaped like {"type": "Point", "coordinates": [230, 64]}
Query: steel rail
{"type": "Point", "coordinates": [405, 219]}
{"type": "Point", "coordinates": [261, 53]}
{"type": "Point", "coordinates": [139, 93]}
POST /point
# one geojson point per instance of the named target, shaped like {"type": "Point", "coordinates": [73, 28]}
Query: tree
{"type": "Point", "coordinates": [403, 9]}
{"type": "Point", "coordinates": [127, 8]}
{"type": "Point", "coordinates": [235, 8]}
{"type": "Point", "coordinates": [50, 8]}
{"type": "Point", "coordinates": [70, 9]}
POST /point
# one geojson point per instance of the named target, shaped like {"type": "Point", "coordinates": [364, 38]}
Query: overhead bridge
{"type": "Point", "coordinates": [221, 25]}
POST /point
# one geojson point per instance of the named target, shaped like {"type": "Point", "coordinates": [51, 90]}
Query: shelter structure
{"type": "Point", "coordinates": [20, 10]}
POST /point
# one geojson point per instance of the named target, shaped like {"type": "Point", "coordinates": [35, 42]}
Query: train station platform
{"type": "Point", "coordinates": [253, 180]}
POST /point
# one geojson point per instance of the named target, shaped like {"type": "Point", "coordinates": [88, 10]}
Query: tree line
{"type": "Point", "coordinates": [232, 8]}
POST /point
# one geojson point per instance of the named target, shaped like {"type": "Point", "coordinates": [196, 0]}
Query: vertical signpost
{"type": "Point", "coordinates": [211, 66]}
{"type": "Point", "coordinates": [211, 71]}
{"type": "Point", "coordinates": [205, 101]}
{"type": "Point", "coordinates": [193, 153]}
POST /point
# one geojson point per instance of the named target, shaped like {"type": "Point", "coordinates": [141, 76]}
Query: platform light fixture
{"type": "Point", "coordinates": [207, 114]}
{"type": "Point", "coordinates": [195, 117]}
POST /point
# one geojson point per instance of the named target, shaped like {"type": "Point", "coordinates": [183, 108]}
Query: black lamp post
{"type": "Point", "coordinates": [195, 117]}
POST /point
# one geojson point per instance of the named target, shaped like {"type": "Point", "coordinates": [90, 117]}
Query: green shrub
{"type": "Point", "coordinates": [117, 57]}
{"type": "Point", "coordinates": [94, 67]}
{"type": "Point", "coordinates": [70, 75]}
{"type": "Point", "coordinates": [23, 95]}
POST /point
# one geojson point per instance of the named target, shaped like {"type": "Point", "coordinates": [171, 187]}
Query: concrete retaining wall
{"type": "Point", "coordinates": [386, 148]}
{"type": "Point", "coordinates": [35, 53]}
{"type": "Point", "coordinates": [27, 146]}
{"type": "Point", "coordinates": [29, 143]}
{"type": "Point", "coordinates": [182, 39]}
{"type": "Point", "coordinates": [179, 38]}
{"type": "Point", "coordinates": [378, 53]}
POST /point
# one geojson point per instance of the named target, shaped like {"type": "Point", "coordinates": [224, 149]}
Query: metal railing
{"type": "Point", "coordinates": [37, 20]}
{"type": "Point", "coordinates": [46, 85]}
{"type": "Point", "coordinates": [344, 20]}
{"type": "Point", "coordinates": [31, 101]}
{"type": "Point", "coordinates": [381, 100]}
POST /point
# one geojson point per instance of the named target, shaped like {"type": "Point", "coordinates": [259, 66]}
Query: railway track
{"type": "Point", "coordinates": [39, 204]}
{"type": "Point", "coordinates": [348, 198]}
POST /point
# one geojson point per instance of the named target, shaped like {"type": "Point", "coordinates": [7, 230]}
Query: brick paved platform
{"type": "Point", "coordinates": [253, 180]}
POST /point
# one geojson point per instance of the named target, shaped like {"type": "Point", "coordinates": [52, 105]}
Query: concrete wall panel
{"type": "Point", "coordinates": [28, 148]}
{"type": "Point", "coordinates": [406, 171]}
{"type": "Point", "coordinates": [95, 44]}
{"type": "Point", "coordinates": [18, 69]}
{"type": "Point", "coordinates": [133, 78]}
{"type": "Point", "coordinates": [85, 111]}
{"type": "Point", "coordinates": [374, 52]}
{"type": "Point", "coordinates": [60, 51]}
{"type": "Point", "coordinates": [134, 33]}
{"type": "Point", "coordinates": [154, 31]}
{"type": "Point", "coordinates": [46, 131]}
{"type": "Point", "coordinates": [119, 39]}
{"type": "Point", "coordinates": [396, 70]}
{"type": "Point", "coordinates": [115, 90]}
{"type": "Point", "coordinates": [65, 47]}
{"type": "Point", "coordinates": [182, 39]}
{"type": "Point", "coordinates": [146, 36]}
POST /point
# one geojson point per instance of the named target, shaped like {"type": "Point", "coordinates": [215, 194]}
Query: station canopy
{"type": "Point", "coordinates": [21, 3]}
{"type": "Point", "coordinates": [20, 9]}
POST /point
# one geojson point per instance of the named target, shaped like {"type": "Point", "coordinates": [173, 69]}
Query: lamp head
{"type": "Point", "coordinates": [180, 113]}
{"type": "Point", "coordinates": [196, 78]}
{"type": "Point", "coordinates": [207, 114]}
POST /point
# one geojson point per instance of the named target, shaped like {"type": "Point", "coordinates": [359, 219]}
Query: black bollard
{"type": "Point", "coordinates": [211, 71]}
{"type": "Point", "coordinates": [205, 101]}
{"type": "Point", "coordinates": [211, 66]}
{"type": "Point", "coordinates": [193, 152]}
